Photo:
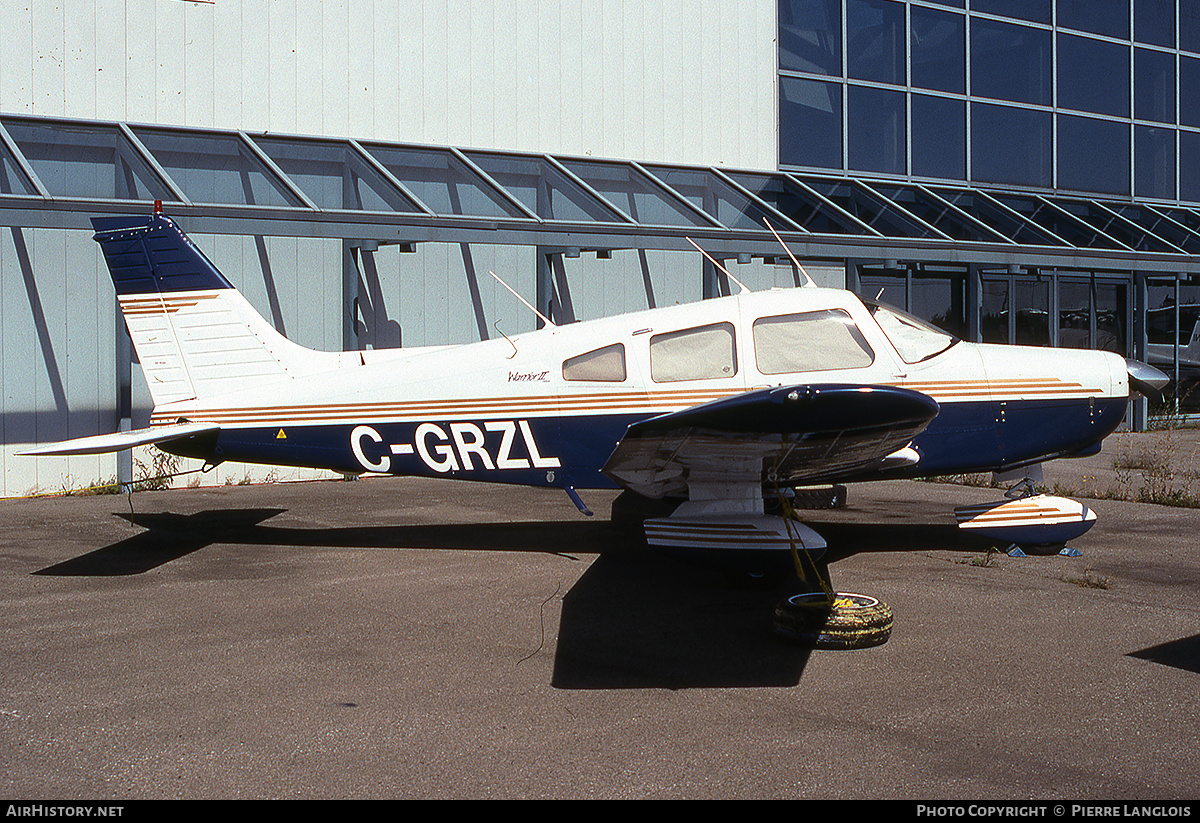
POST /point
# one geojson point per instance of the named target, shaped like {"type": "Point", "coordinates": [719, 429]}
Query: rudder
{"type": "Point", "coordinates": [195, 335]}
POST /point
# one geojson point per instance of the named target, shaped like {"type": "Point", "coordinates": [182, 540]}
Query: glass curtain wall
{"type": "Point", "coordinates": [1011, 93]}
{"type": "Point", "coordinates": [1173, 334]}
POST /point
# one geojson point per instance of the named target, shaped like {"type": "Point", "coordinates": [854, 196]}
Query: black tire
{"type": "Point", "coordinates": [855, 621]}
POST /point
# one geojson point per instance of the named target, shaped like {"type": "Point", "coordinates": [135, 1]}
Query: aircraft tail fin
{"type": "Point", "coordinates": [195, 335]}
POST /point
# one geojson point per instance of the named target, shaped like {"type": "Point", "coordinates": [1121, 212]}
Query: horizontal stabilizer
{"type": "Point", "coordinates": [105, 443]}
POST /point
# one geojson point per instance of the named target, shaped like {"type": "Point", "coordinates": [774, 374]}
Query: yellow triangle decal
{"type": "Point", "coordinates": [281, 435]}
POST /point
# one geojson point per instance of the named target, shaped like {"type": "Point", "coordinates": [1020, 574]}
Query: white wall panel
{"type": "Point", "coordinates": [290, 37]}
{"type": "Point", "coordinates": [245, 90]}
{"type": "Point", "coordinates": [199, 63]}
{"type": "Point", "coordinates": [661, 80]}
{"type": "Point", "coordinates": [108, 50]}
{"type": "Point", "coordinates": [139, 45]}
{"type": "Point", "coordinates": [79, 54]}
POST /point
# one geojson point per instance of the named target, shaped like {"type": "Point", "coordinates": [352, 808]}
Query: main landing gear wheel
{"type": "Point", "coordinates": [853, 621]}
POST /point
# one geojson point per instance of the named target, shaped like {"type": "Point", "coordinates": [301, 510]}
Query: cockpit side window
{"type": "Point", "coordinates": [699, 353]}
{"type": "Point", "coordinates": [914, 339]}
{"type": "Point", "coordinates": [605, 365]}
{"type": "Point", "coordinates": [810, 341]}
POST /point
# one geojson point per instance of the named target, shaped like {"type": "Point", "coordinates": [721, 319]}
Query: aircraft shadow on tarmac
{"type": "Point", "coordinates": [634, 619]}
{"type": "Point", "coordinates": [1181, 654]}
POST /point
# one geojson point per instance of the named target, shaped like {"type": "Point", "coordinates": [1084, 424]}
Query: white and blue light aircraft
{"type": "Point", "coordinates": [713, 404]}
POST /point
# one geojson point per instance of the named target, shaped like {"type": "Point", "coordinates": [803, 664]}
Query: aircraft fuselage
{"type": "Point", "coordinates": [548, 407]}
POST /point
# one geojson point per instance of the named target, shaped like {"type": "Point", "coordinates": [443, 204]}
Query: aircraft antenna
{"type": "Point", "coordinates": [713, 260]}
{"type": "Point", "coordinates": [545, 319]}
{"type": "Point", "coordinates": [808, 281]}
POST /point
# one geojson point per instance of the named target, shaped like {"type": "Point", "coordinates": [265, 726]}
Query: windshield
{"type": "Point", "coordinates": [914, 339]}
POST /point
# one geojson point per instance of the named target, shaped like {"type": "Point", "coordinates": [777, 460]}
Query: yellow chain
{"type": "Point", "coordinates": [788, 515]}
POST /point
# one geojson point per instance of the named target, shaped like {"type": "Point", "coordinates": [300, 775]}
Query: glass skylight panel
{"type": "Point", "coordinates": [1075, 232]}
{"type": "Point", "coordinates": [631, 192]}
{"type": "Point", "coordinates": [543, 189]}
{"type": "Point", "coordinates": [886, 218]}
{"type": "Point", "coordinates": [1011, 225]}
{"type": "Point", "coordinates": [442, 181]}
{"type": "Point", "coordinates": [1160, 225]}
{"type": "Point", "coordinates": [800, 206]}
{"type": "Point", "coordinates": [215, 167]}
{"type": "Point", "coordinates": [1115, 226]}
{"type": "Point", "coordinates": [936, 213]}
{"type": "Point", "coordinates": [333, 176]}
{"type": "Point", "coordinates": [715, 197]}
{"type": "Point", "coordinates": [92, 161]}
{"type": "Point", "coordinates": [1185, 217]}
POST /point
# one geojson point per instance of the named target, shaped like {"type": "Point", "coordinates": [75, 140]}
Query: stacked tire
{"type": "Point", "coordinates": [852, 621]}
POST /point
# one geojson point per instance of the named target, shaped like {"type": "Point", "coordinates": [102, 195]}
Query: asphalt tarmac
{"type": "Point", "coordinates": [395, 638]}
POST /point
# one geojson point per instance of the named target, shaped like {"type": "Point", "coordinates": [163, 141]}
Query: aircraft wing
{"type": "Point", "coordinates": [104, 443]}
{"type": "Point", "coordinates": [790, 435]}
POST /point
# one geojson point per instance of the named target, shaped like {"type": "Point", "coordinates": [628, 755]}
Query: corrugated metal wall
{"type": "Point", "coordinates": [643, 79]}
{"type": "Point", "coordinates": [656, 80]}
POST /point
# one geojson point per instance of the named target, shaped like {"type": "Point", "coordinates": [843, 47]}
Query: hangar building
{"type": "Point", "coordinates": [1014, 170]}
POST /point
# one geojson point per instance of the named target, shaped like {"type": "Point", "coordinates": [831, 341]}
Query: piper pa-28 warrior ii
{"type": "Point", "coordinates": [717, 404]}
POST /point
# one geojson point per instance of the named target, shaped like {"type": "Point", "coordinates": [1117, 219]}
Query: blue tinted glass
{"type": "Point", "coordinates": [1189, 83]}
{"type": "Point", "coordinates": [876, 127]}
{"type": "Point", "coordinates": [1153, 85]}
{"type": "Point", "coordinates": [958, 4]}
{"type": "Point", "coordinates": [1189, 166]}
{"type": "Point", "coordinates": [1111, 19]}
{"type": "Point", "coordinates": [938, 50]}
{"type": "Point", "coordinates": [810, 123]}
{"type": "Point", "coordinates": [1093, 75]}
{"type": "Point", "coordinates": [1189, 26]}
{"type": "Point", "coordinates": [1154, 162]}
{"type": "Point", "coordinates": [1036, 11]}
{"type": "Point", "coordinates": [1010, 62]}
{"type": "Point", "coordinates": [810, 36]}
{"type": "Point", "coordinates": [1081, 140]}
{"type": "Point", "coordinates": [1010, 145]}
{"type": "Point", "coordinates": [875, 41]}
{"type": "Point", "coordinates": [1154, 22]}
{"type": "Point", "coordinates": [939, 137]}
